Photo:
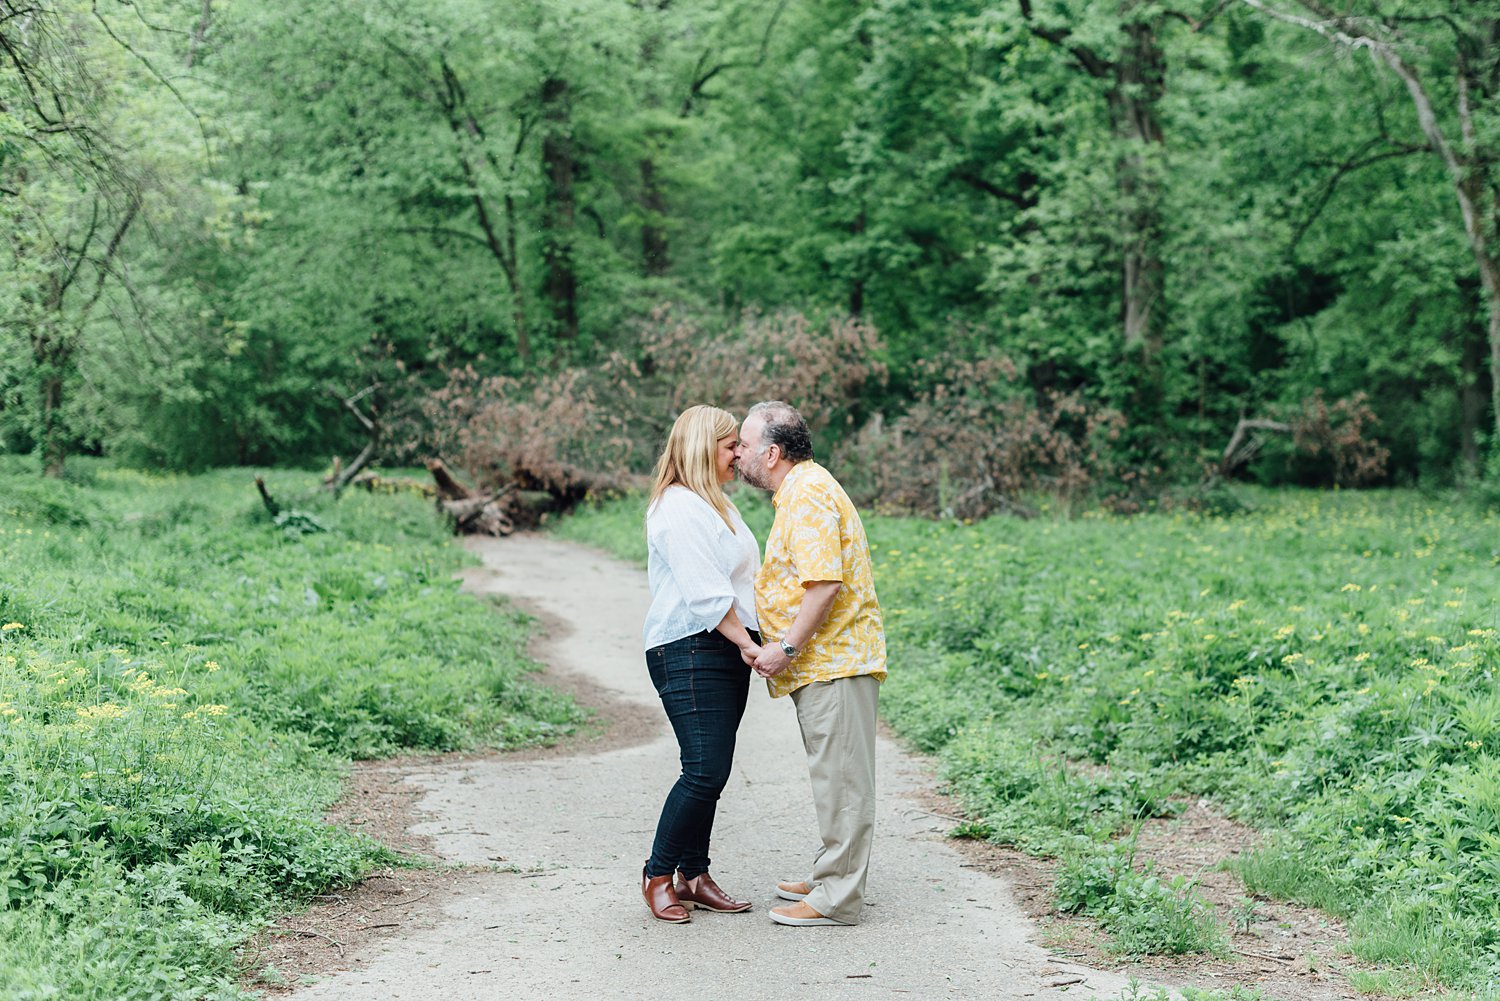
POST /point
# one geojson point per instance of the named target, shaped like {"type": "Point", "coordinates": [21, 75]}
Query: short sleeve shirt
{"type": "Point", "coordinates": [817, 536]}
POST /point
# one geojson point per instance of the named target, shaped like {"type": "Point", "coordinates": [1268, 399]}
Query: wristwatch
{"type": "Point", "coordinates": [787, 649]}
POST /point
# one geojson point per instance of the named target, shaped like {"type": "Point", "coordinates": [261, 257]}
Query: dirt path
{"type": "Point", "coordinates": [561, 918]}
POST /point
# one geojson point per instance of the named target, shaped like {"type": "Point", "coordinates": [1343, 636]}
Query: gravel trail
{"type": "Point", "coordinates": [561, 916]}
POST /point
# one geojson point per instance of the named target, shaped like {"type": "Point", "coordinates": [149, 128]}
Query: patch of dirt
{"type": "Point", "coordinates": [341, 926]}
{"type": "Point", "coordinates": [380, 802]}
{"type": "Point", "coordinates": [1288, 952]}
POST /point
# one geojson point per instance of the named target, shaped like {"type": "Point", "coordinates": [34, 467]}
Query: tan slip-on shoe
{"type": "Point", "coordinates": [800, 915]}
{"type": "Point", "coordinates": [793, 891]}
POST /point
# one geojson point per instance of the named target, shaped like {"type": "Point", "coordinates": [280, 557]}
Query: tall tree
{"type": "Point", "coordinates": [74, 176]}
{"type": "Point", "coordinates": [1134, 83]}
{"type": "Point", "coordinates": [1455, 47]}
{"type": "Point", "coordinates": [559, 208]}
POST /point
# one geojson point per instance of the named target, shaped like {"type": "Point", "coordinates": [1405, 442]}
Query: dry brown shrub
{"type": "Point", "coordinates": [825, 368]}
{"type": "Point", "coordinates": [549, 434]}
{"type": "Point", "coordinates": [977, 443]}
{"type": "Point", "coordinates": [1341, 434]}
{"type": "Point", "coordinates": [599, 427]}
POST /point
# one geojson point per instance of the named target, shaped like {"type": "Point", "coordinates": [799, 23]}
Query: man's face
{"type": "Point", "coordinates": [749, 457]}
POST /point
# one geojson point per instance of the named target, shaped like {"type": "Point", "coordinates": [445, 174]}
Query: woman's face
{"type": "Point", "coordinates": [724, 456]}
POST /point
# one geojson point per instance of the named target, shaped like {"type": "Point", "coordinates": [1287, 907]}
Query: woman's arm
{"type": "Point", "coordinates": [735, 632]}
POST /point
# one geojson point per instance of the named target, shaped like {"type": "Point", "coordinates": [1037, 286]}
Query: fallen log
{"type": "Point", "coordinates": [375, 483]}
{"type": "Point", "coordinates": [448, 488]}
{"type": "Point", "coordinates": [341, 477]}
{"type": "Point", "coordinates": [479, 515]}
{"type": "Point", "coordinates": [1245, 445]}
{"type": "Point", "coordinates": [470, 511]}
{"type": "Point", "coordinates": [265, 497]}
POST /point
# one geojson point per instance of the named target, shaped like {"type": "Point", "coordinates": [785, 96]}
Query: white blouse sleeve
{"type": "Point", "coordinates": [684, 530]}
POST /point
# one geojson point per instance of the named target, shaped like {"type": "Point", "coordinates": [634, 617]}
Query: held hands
{"type": "Point", "coordinates": [749, 652]}
{"type": "Point", "coordinates": [772, 660]}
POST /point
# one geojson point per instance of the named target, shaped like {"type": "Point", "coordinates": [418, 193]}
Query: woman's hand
{"type": "Point", "coordinates": [749, 652]}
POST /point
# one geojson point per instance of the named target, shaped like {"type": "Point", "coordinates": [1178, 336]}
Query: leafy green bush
{"type": "Point", "coordinates": [1144, 913]}
{"type": "Point", "coordinates": [181, 682]}
{"type": "Point", "coordinates": [1322, 665]}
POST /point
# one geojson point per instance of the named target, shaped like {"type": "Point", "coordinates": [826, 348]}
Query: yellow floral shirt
{"type": "Point", "coordinates": [817, 536]}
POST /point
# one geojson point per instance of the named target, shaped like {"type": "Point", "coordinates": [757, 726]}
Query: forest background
{"type": "Point", "coordinates": [1094, 254]}
{"type": "Point", "coordinates": [1064, 245]}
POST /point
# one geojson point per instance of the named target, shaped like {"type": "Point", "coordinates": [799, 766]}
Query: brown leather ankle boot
{"type": "Point", "coordinates": [662, 899]}
{"type": "Point", "coordinates": [702, 891]}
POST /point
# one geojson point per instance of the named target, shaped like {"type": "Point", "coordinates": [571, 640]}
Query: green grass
{"type": "Point", "coordinates": [182, 682]}
{"type": "Point", "coordinates": [1323, 665]}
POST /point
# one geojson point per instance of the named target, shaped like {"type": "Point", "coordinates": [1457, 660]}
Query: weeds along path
{"type": "Point", "coordinates": [564, 920]}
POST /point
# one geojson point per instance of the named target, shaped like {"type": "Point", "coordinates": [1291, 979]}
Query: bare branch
{"type": "Point", "coordinates": [701, 77]}
{"type": "Point", "coordinates": [110, 31]}
{"type": "Point", "coordinates": [1091, 62]}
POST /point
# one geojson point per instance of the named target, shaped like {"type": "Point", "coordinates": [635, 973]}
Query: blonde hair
{"type": "Point", "coordinates": [688, 457]}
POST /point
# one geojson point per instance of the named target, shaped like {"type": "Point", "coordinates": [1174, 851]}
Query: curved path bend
{"type": "Point", "coordinates": [563, 919]}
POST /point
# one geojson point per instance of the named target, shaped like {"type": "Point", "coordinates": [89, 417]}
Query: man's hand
{"type": "Point", "coordinates": [772, 660]}
{"type": "Point", "coordinates": [748, 653]}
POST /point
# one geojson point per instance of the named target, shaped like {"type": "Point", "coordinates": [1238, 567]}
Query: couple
{"type": "Point", "coordinates": [805, 619]}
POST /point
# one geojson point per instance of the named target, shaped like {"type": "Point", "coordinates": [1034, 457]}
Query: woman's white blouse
{"type": "Point", "coordinates": [697, 567]}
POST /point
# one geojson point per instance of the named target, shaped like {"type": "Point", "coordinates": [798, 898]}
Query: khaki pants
{"type": "Point", "coordinates": [838, 731]}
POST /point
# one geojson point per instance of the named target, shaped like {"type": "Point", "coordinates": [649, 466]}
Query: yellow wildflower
{"type": "Point", "coordinates": [104, 710]}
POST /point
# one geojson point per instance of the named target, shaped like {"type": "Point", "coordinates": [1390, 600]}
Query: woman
{"type": "Point", "coordinates": [700, 636]}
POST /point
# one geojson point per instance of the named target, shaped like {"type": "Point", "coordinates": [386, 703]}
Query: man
{"type": "Point", "coordinates": [822, 643]}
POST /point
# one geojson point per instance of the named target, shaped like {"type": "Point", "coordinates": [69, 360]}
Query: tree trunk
{"type": "Point", "coordinates": [654, 248]}
{"type": "Point", "coordinates": [857, 286]}
{"type": "Point", "coordinates": [465, 128]}
{"type": "Point", "coordinates": [199, 32]}
{"type": "Point", "coordinates": [54, 452]}
{"type": "Point", "coordinates": [1471, 378]}
{"type": "Point", "coordinates": [1137, 82]}
{"type": "Point", "coordinates": [1471, 165]}
{"type": "Point", "coordinates": [1140, 76]}
{"type": "Point", "coordinates": [1492, 294]}
{"type": "Point", "coordinates": [559, 165]}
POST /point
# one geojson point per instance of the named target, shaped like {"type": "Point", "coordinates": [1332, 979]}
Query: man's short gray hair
{"type": "Point", "coordinates": [784, 427]}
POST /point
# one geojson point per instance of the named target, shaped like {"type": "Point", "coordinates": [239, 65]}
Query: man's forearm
{"type": "Point", "coordinates": [817, 599]}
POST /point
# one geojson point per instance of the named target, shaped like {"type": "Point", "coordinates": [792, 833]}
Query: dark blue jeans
{"type": "Point", "coordinates": [703, 685]}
